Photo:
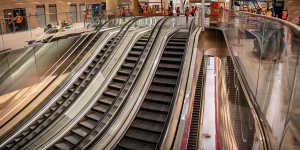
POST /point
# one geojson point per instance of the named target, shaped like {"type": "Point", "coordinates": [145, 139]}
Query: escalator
{"type": "Point", "coordinates": [62, 103]}
{"type": "Point", "coordinates": [100, 109]}
{"type": "Point", "coordinates": [148, 128]}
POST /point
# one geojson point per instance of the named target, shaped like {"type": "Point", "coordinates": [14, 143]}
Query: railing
{"type": "Point", "coordinates": [266, 51]}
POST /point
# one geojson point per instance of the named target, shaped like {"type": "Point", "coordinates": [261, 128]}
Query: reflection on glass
{"type": "Point", "coordinates": [267, 52]}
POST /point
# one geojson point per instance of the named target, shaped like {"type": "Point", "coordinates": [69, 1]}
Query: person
{"type": "Point", "coordinates": [193, 11]}
{"type": "Point", "coordinates": [149, 10]}
{"type": "Point", "coordinates": [298, 21]}
{"type": "Point", "coordinates": [263, 11]}
{"type": "Point", "coordinates": [269, 13]}
{"type": "Point", "coordinates": [178, 11]}
{"type": "Point", "coordinates": [122, 12]}
{"type": "Point", "coordinates": [154, 11]}
{"type": "Point", "coordinates": [144, 10]}
{"type": "Point", "coordinates": [284, 14]}
{"type": "Point", "coordinates": [19, 21]}
{"type": "Point", "coordinates": [84, 17]}
{"type": "Point", "coordinates": [10, 25]}
{"type": "Point", "coordinates": [170, 11]}
{"type": "Point", "coordinates": [187, 13]}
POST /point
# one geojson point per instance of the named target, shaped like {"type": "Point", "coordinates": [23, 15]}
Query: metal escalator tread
{"type": "Point", "coordinates": [170, 47]}
{"type": "Point", "coordinates": [73, 139]}
{"type": "Point", "coordinates": [89, 124]}
{"type": "Point", "coordinates": [171, 59]}
{"type": "Point", "coordinates": [135, 53]}
{"type": "Point", "coordinates": [106, 100]}
{"type": "Point", "coordinates": [151, 116]}
{"type": "Point", "coordinates": [100, 108]}
{"type": "Point", "coordinates": [138, 47]}
{"type": "Point", "coordinates": [128, 65]}
{"type": "Point", "coordinates": [148, 105]}
{"type": "Point", "coordinates": [103, 105]}
{"type": "Point", "coordinates": [164, 81]}
{"type": "Point", "coordinates": [145, 131]}
{"type": "Point", "coordinates": [161, 89]}
{"type": "Point", "coordinates": [148, 125]}
{"type": "Point", "coordinates": [124, 71]}
{"type": "Point", "coordinates": [95, 116]}
{"type": "Point", "coordinates": [80, 131]}
{"type": "Point", "coordinates": [141, 134]}
{"type": "Point", "coordinates": [159, 97]}
{"type": "Point", "coordinates": [133, 144]}
{"type": "Point", "coordinates": [173, 53]}
{"type": "Point", "coordinates": [177, 43]}
{"type": "Point", "coordinates": [169, 66]}
{"type": "Point", "coordinates": [115, 85]}
{"type": "Point", "coordinates": [120, 78]}
{"type": "Point", "coordinates": [111, 92]}
{"type": "Point", "coordinates": [63, 146]}
{"type": "Point", "coordinates": [132, 59]}
{"type": "Point", "coordinates": [140, 43]}
{"type": "Point", "coordinates": [167, 73]}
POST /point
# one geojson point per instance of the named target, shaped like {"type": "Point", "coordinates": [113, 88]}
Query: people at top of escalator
{"type": "Point", "coordinates": [284, 14]}
{"type": "Point", "coordinates": [170, 11]}
{"type": "Point", "coordinates": [144, 10]}
{"type": "Point", "coordinates": [154, 11]}
{"type": "Point", "coordinates": [187, 11]}
{"type": "Point", "coordinates": [122, 12]}
{"type": "Point", "coordinates": [149, 11]}
{"type": "Point", "coordinates": [178, 11]}
{"type": "Point", "coordinates": [269, 13]}
{"type": "Point", "coordinates": [263, 10]}
{"type": "Point", "coordinates": [194, 9]}
{"type": "Point", "coordinates": [84, 17]}
{"type": "Point", "coordinates": [9, 23]}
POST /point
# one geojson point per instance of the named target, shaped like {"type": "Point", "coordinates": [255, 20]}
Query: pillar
{"type": "Point", "coordinates": [166, 5]}
{"type": "Point", "coordinates": [134, 7]}
{"type": "Point", "coordinates": [112, 7]}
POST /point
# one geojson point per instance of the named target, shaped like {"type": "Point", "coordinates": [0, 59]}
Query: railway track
{"type": "Point", "coordinates": [193, 140]}
{"type": "Point", "coordinates": [150, 123]}
{"type": "Point", "coordinates": [69, 96]}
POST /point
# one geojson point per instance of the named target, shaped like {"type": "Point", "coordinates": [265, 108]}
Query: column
{"type": "Point", "coordinates": [111, 7]}
{"type": "Point", "coordinates": [166, 5]}
{"type": "Point", "coordinates": [134, 7]}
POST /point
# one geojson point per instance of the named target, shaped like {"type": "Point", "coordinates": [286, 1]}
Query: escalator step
{"type": "Point", "coordinates": [151, 116]}
{"type": "Point", "coordinates": [141, 134]}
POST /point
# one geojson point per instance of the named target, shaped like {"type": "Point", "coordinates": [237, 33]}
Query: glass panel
{"type": "Point", "coordinates": [267, 52]}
